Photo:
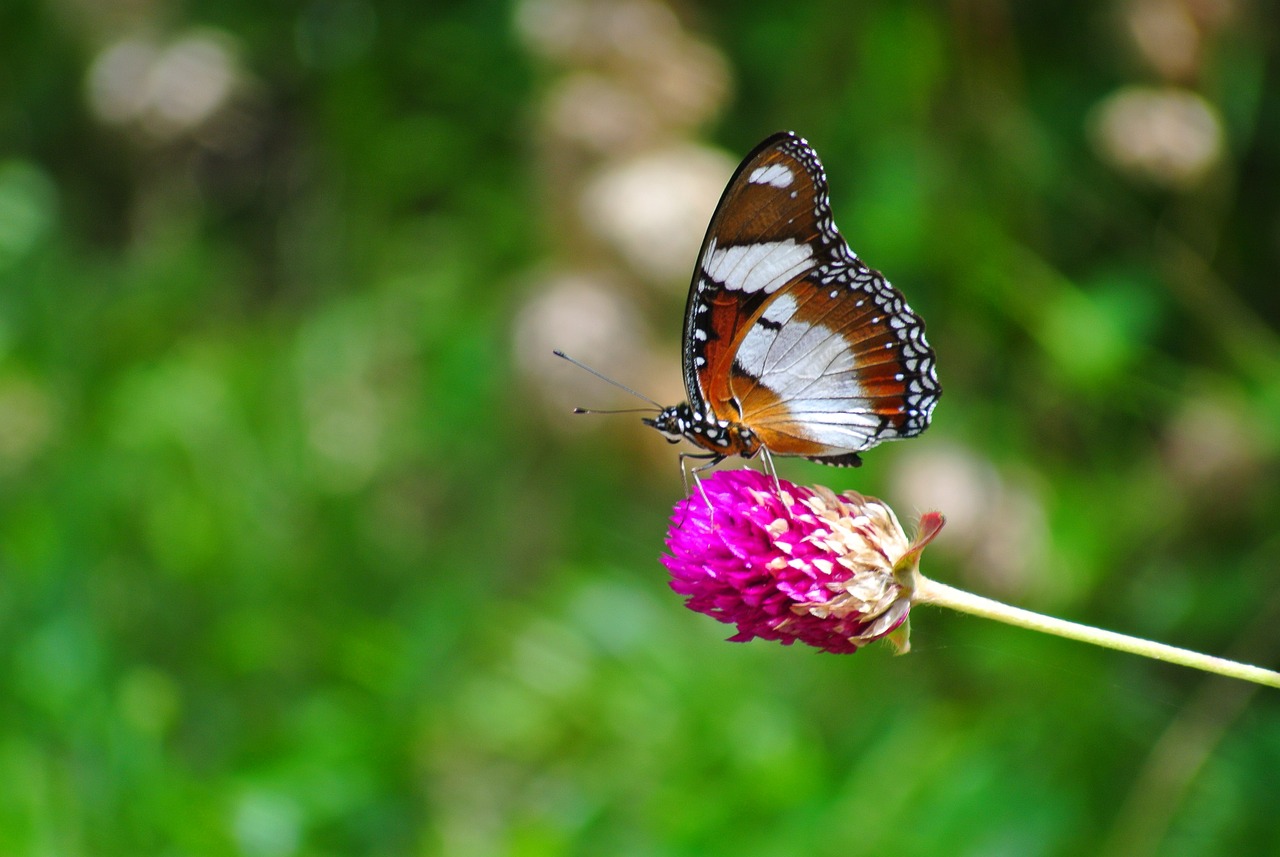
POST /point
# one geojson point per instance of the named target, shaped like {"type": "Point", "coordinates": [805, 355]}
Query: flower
{"type": "Point", "coordinates": [784, 562]}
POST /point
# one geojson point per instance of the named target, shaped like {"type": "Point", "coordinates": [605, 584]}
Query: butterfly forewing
{"type": "Point", "coordinates": [788, 332]}
{"type": "Point", "coordinates": [769, 230]}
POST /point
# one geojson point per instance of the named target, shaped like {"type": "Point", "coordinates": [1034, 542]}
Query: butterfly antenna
{"type": "Point", "coordinates": [615, 411]}
{"type": "Point", "coordinates": [607, 380]}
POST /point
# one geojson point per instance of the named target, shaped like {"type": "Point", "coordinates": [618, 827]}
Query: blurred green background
{"type": "Point", "coordinates": [302, 553]}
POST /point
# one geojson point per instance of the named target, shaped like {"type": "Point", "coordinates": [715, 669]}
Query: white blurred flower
{"type": "Point", "coordinates": [575, 31]}
{"type": "Point", "coordinates": [654, 208]}
{"type": "Point", "coordinates": [1212, 440]}
{"type": "Point", "coordinates": [641, 67]}
{"type": "Point", "coordinates": [1166, 35]}
{"type": "Point", "coordinates": [1168, 136]}
{"type": "Point", "coordinates": [117, 85]}
{"type": "Point", "coordinates": [686, 81]}
{"type": "Point", "coordinates": [552, 28]}
{"type": "Point", "coordinates": [166, 90]}
{"type": "Point", "coordinates": [598, 114]}
{"type": "Point", "coordinates": [189, 81]}
{"type": "Point", "coordinates": [995, 524]}
{"type": "Point", "coordinates": [588, 318]}
{"type": "Point", "coordinates": [1170, 34]}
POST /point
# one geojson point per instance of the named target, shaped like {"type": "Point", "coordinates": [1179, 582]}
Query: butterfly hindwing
{"type": "Point", "coordinates": [835, 363]}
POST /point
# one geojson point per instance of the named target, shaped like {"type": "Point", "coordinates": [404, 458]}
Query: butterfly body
{"type": "Point", "coordinates": [791, 343]}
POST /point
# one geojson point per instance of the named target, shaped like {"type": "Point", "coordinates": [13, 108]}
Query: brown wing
{"type": "Point", "coordinates": [772, 226]}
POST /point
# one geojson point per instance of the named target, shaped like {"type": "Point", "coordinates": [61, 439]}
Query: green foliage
{"type": "Point", "coordinates": [293, 562]}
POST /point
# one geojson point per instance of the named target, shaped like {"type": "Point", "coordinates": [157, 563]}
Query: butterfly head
{"type": "Point", "coordinates": [673, 422]}
{"type": "Point", "coordinates": [721, 436]}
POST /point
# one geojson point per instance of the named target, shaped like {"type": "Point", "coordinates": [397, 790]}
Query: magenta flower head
{"type": "Point", "coordinates": [783, 562]}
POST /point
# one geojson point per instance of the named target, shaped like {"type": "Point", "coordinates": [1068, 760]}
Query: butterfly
{"type": "Point", "coordinates": [792, 344]}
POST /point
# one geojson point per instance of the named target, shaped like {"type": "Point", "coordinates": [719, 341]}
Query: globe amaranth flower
{"type": "Point", "coordinates": [783, 562]}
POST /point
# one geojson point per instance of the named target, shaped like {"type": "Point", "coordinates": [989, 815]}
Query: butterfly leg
{"type": "Point", "coordinates": [767, 459]}
{"type": "Point", "coordinates": [712, 460]}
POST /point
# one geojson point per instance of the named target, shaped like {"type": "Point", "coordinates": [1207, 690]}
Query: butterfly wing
{"type": "Point", "coordinates": [788, 332]}
{"type": "Point", "coordinates": [834, 364]}
{"type": "Point", "coordinates": [766, 232]}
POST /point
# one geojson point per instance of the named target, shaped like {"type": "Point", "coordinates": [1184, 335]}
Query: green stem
{"type": "Point", "coordinates": [930, 592]}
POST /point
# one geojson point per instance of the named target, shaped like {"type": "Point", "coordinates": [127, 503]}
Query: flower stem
{"type": "Point", "coordinates": [931, 592]}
